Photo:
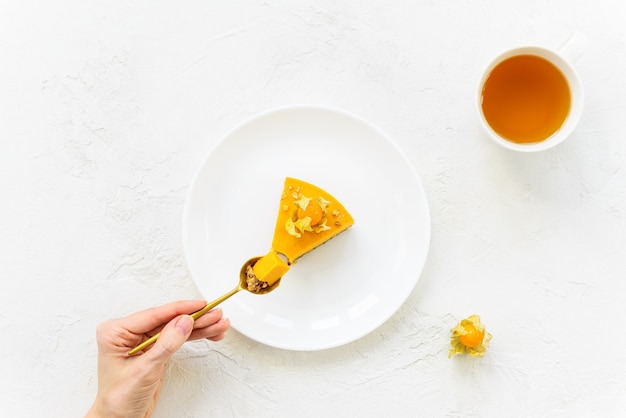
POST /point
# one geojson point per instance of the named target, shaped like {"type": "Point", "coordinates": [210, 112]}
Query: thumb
{"type": "Point", "coordinates": [172, 337]}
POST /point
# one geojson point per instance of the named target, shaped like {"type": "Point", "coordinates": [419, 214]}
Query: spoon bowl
{"type": "Point", "coordinates": [242, 285]}
{"type": "Point", "coordinates": [243, 280]}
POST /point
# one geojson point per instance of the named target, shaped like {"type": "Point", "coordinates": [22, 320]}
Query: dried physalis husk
{"type": "Point", "coordinates": [469, 337]}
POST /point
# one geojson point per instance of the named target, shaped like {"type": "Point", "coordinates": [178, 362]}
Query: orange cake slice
{"type": "Point", "coordinates": [308, 216]}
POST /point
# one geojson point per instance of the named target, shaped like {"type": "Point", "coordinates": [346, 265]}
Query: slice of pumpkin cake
{"type": "Point", "coordinates": [308, 217]}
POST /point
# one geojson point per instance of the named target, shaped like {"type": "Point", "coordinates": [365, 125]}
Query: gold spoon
{"type": "Point", "coordinates": [242, 285]}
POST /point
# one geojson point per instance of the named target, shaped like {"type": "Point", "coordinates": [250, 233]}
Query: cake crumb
{"type": "Point", "coordinates": [254, 285]}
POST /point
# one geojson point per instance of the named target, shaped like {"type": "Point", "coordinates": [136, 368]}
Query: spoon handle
{"type": "Point", "coordinates": [194, 315]}
{"type": "Point", "coordinates": [213, 304]}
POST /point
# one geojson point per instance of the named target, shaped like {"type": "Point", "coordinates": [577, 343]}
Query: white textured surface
{"type": "Point", "coordinates": [107, 109]}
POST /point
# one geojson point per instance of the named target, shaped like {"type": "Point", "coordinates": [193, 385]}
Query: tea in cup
{"type": "Point", "coordinates": [531, 98]}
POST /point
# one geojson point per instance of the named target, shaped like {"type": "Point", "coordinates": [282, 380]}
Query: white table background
{"type": "Point", "coordinates": [108, 108]}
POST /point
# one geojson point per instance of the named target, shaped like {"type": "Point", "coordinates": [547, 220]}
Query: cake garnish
{"type": "Point", "coordinates": [307, 214]}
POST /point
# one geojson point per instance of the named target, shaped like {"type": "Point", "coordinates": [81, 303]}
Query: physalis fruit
{"type": "Point", "coordinates": [469, 337]}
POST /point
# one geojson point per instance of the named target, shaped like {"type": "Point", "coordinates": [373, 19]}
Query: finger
{"type": "Point", "coordinates": [212, 332]}
{"type": "Point", "coordinates": [217, 338]}
{"type": "Point", "coordinates": [204, 321]}
{"type": "Point", "coordinates": [147, 320]}
{"type": "Point", "coordinates": [175, 333]}
{"type": "Point", "coordinates": [208, 318]}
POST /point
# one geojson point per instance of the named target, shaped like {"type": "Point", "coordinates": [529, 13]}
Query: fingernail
{"type": "Point", "coordinates": [185, 324]}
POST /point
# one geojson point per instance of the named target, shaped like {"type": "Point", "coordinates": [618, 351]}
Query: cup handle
{"type": "Point", "coordinates": [572, 48]}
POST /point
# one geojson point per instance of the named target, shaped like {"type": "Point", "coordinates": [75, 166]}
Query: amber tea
{"type": "Point", "coordinates": [526, 99]}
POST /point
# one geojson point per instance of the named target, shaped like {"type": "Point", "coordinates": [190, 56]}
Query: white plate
{"type": "Point", "coordinates": [345, 288]}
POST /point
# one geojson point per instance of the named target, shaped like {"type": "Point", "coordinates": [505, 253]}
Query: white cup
{"type": "Point", "coordinates": [562, 58]}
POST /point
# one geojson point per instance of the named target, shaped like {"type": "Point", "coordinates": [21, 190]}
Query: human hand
{"type": "Point", "coordinates": [129, 386]}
